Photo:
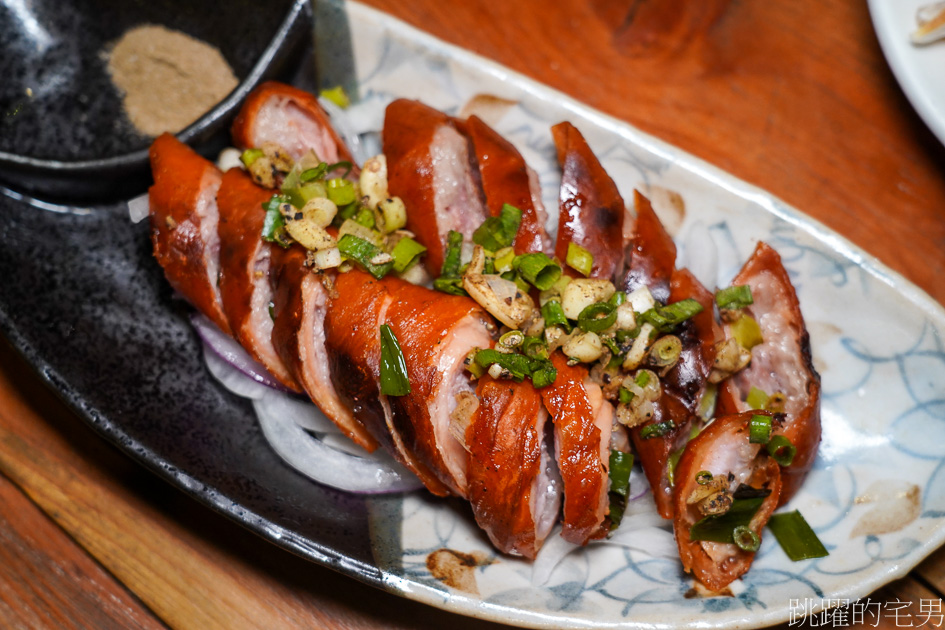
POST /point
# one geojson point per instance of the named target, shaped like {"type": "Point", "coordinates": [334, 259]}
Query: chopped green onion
{"type": "Point", "coordinates": [274, 224]}
{"type": "Point", "coordinates": [619, 470]}
{"type": "Point", "coordinates": [721, 527]}
{"type": "Point", "coordinates": [394, 381]}
{"type": "Point", "coordinates": [511, 339]}
{"type": "Point", "coordinates": [311, 174]}
{"type": "Point", "coordinates": [544, 373]}
{"type": "Point", "coordinates": [453, 286]}
{"type": "Point", "coordinates": [703, 477]}
{"type": "Point", "coordinates": [554, 315]}
{"type": "Point", "coordinates": [658, 429]}
{"type": "Point", "coordinates": [781, 449]}
{"type": "Point", "coordinates": [759, 429]}
{"type": "Point", "coordinates": [665, 318]}
{"type": "Point", "coordinates": [625, 396]}
{"type": "Point", "coordinates": [250, 155]}
{"type": "Point", "coordinates": [733, 297]}
{"type": "Point", "coordinates": [365, 217]}
{"type": "Point", "coordinates": [363, 253]}
{"type": "Point", "coordinates": [745, 539]}
{"type": "Point", "coordinates": [405, 253]}
{"type": "Point", "coordinates": [597, 317]}
{"type": "Point", "coordinates": [541, 371]}
{"type": "Point", "coordinates": [504, 259]}
{"type": "Point", "coordinates": [757, 398]}
{"type": "Point", "coordinates": [538, 269]}
{"type": "Point", "coordinates": [665, 351]}
{"type": "Point", "coordinates": [345, 212]}
{"type": "Point", "coordinates": [453, 254]}
{"type": "Point", "coordinates": [671, 462]}
{"type": "Point", "coordinates": [498, 232]}
{"type": "Point", "coordinates": [796, 537]}
{"type": "Point", "coordinates": [535, 347]}
{"type": "Point", "coordinates": [642, 378]}
{"type": "Point", "coordinates": [707, 403]}
{"type": "Point", "coordinates": [747, 332]}
{"type": "Point", "coordinates": [341, 191]}
{"type": "Point", "coordinates": [580, 259]}
{"type": "Point", "coordinates": [336, 95]}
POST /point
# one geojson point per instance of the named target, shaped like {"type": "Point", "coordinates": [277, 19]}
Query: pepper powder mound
{"type": "Point", "coordinates": [168, 79]}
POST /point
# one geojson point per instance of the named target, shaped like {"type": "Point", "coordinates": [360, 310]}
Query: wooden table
{"type": "Point", "coordinates": [791, 95]}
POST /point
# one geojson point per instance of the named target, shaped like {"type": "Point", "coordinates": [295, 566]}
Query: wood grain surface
{"type": "Point", "coordinates": [793, 96]}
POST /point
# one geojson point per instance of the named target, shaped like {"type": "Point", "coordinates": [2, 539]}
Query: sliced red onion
{"type": "Point", "coordinates": [374, 473]}
{"type": "Point", "coordinates": [139, 208]}
{"type": "Point", "coordinates": [233, 353]}
{"type": "Point", "coordinates": [230, 377]}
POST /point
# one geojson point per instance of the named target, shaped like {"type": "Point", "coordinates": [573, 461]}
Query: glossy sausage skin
{"type": "Point", "coordinates": [582, 448]}
{"type": "Point", "coordinates": [652, 253]}
{"type": "Point", "coordinates": [300, 299]}
{"type": "Point", "coordinates": [781, 363]}
{"type": "Point", "coordinates": [591, 210]}
{"type": "Point", "coordinates": [430, 167]}
{"type": "Point", "coordinates": [293, 119]}
{"type": "Point", "coordinates": [722, 448]}
{"type": "Point", "coordinates": [244, 265]}
{"type": "Point", "coordinates": [353, 317]}
{"type": "Point", "coordinates": [507, 179]}
{"type": "Point", "coordinates": [184, 219]}
{"type": "Point", "coordinates": [435, 331]}
{"type": "Point", "coordinates": [505, 481]}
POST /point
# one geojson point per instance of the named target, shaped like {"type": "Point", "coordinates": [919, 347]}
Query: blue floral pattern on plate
{"type": "Point", "coordinates": [876, 496]}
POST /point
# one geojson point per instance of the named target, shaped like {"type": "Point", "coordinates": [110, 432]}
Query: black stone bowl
{"type": "Point", "coordinates": [63, 134]}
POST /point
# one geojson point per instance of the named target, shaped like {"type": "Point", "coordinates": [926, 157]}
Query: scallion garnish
{"type": "Point", "coordinates": [597, 317]}
{"type": "Point", "coordinates": [554, 315]}
{"type": "Point", "coordinates": [341, 191]}
{"type": "Point", "coordinates": [405, 252]}
{"type": "Point", "coordinates": [518, 366]}
{"type": "Point", "coordinates": [452, 255]}
{"type": "Point", "coordinates": [580, 259]}
{"type": "Point", "coordinates": [535, 347]}
{"type": "Point", "coordinates": [504, 259]}
{"type": "Point", "coordinates": [625, 396]}
{"type": "Point", "coordinates": [364, 217]}
{"type": "Point", "coordinates": [738, 296]}
{"type": "Point", "coordinates": [721, 527]}
{"type": "Point", "coordinates": [703, 477]}
{"type": "Point", "coordinates": [363, 252]}
{"type": "Point", "coordinates": [796, 537]}
{"type": "Point", "coordinates": [747, 332]}
{"type": "Point", "coordinates": [250, 155]}
{"type": "Point", "coordinates": [671, 462]}
{"type": "Point", "coordinates": [759, 429]}
{"type": "Point", "coordinates": [746, 539]}
{"type": "Point", "coordinates": [453, 286]}
{"type": "Point", "coordinates": [499, 231]}
{"type": "Point", "coordinates": [619, 470]}
{"type": "Point", "coordinates": [642, 378]}
{"type": "Point", "coordinates": [658, 429]}
{"type": "Point", "coordinates": [311, 174]}
{"type": "Point", "coordinates": [757, 398]}
{"type": "Point", "coordinates": [274, 224]}
{"type": "Point", "coordinates": [781, 449]}
{"type": "Point", "coordinates": [665, 318]}
{"type": "Point", "coordinates": [344, 164]}
{"type": "Point", "coordinates": [394, 381]}
{"type": "Point", "coordinates": [538, 269]}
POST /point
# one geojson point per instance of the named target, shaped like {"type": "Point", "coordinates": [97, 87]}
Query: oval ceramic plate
{"type": "Point", "coordinates": [917, 68]}
{"type": "Point", "coordinates": [86, 303]}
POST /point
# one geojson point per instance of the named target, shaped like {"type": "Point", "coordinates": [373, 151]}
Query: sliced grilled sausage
{"type": "Point", "coordinates": [244, 271]}
{"type": "Point", "coordinates": [184, 217]}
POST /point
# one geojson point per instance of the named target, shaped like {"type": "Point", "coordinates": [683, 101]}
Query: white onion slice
{"type": "Point", "coordinates": [230, 377]}
{"type": "Point", "coordinates": [139, 208]}
{"type": "Point", "coordinates": [293, 409]}
{"type": "Point", "coordinates": [233, 353]}
{"type": "Point", "coordinates": [375, 473]}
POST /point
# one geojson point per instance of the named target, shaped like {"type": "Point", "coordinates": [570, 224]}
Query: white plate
{"type": "Point", "coordinates": [920, 70]}
{"type": "Point", "coordinates": [877, 341]}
